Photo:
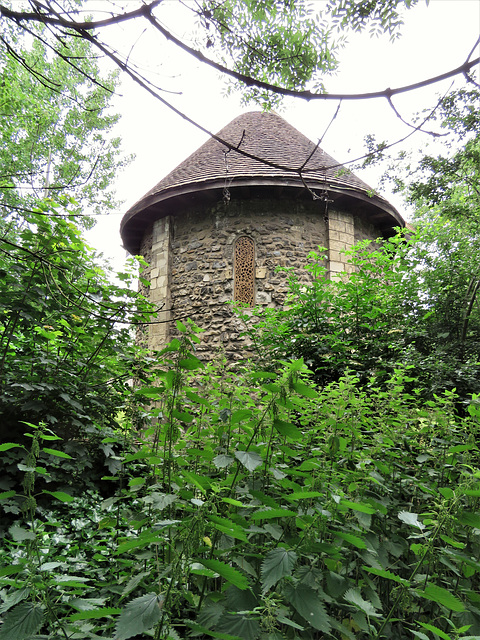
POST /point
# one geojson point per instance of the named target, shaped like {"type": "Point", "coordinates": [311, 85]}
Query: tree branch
{"type": "Point", "coordinates": [84, 29]}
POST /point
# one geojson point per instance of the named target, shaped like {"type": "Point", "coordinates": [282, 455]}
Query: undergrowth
{"type": "Point", "coordinates": [254, 505]}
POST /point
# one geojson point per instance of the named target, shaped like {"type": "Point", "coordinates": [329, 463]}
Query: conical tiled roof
{"type": "Point", "coordinates": [291, 160]}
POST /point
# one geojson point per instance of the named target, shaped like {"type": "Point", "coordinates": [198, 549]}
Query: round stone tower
{"type": "Point", "coordinates": [215, 228]}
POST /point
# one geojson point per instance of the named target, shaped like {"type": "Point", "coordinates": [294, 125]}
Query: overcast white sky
{"type": "Point", "coordinates": [434, 39]}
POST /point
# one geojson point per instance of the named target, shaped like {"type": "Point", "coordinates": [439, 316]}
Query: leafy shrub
{"type": "Point", "coordinates": [258, 506]}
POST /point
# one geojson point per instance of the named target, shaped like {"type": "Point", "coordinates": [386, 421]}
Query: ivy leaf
{"type": "Point", "coordinates": [140, 615]}
{"type": "Point", "coordinates": [442, 596]}
{"type": "Point", "coordinates": [250, 460]}
{"type": "Point", "coordinates": [354, 597]}
{"type": "Point", "coordinates": [307, 603]}
{"type": "Point", "coordinates": [277, 564]}
{"type": "Point", "coordinates": [226, 571]}
{"type": "Point", "coordinates": [22, 621]}
{"type": "Point", "coordinates": [160, 500]}
{"type": "Point", "coordinates": [19, 534]}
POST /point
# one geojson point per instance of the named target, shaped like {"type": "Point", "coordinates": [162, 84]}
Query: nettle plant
{"type": "Point", "coordinates": [254, 505]}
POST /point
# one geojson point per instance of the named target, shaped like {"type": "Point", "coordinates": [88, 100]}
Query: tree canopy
{"type": "Point", "coordinates": [267, 49]}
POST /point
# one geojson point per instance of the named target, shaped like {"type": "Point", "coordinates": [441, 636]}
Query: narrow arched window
{"type": "Point", "coordinates": [244, 271]}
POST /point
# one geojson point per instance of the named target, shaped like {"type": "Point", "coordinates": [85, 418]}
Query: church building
{"type": "Point", "coordinates": [257, 195]}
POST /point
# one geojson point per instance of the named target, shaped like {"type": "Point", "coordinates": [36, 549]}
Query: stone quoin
{"type": "Point", "coordinates": [215, 228]}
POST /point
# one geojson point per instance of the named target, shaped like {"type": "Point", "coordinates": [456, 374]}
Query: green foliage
{"type": "Point", "coordinates": [66, 348]}
{"type": "Point", "coordinates": [66, 351]}
{"type": "Point", "coordinates": [289, 44]}
{"type": "Point", "coordinates": [55, 134]}
{"type": "Point", "coordinates": [447, 184]}
{"type": "Point", "coordinates": [365, 527]}
{"type": "Point", "coordinates": [409, 301]}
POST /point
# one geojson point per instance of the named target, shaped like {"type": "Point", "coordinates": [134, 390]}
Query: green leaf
{"type": "Point", "coordinates": [382, 573]}
{"type": "Point", "coordinates": [136, 482]}
{"type": "Point", "coordinates": [436, 630]}
{"type": "Point", "coordinates": [354, 597]}
{"type": "Point", "coordinates": [22, 622]}
{"type": "Point", "coordinates": [307, 603]}
{"type": "Point", "coordinates": [60, 495]}
{"type": "Point", "coordinates": [351, 539]}
{"type": "Point", "coordinates": [305, 390]}
{"type": "Point", "coordinates": [92, 614]}
{"type": "Point", "coordinates": [226, 571]}
{"type": "Point", "coordinates": [191, 363]}
{"type": "Point", "coordinates": [160, 500]}
{"type": "Point", "coordinates": [272, 387]}
{"type": "Point", "coordinates": [277, 564]}
{"type": "Point", "coordinates": [270, 514]}
{"type": "Point", "coordinates": [287, 429]}
{"type": "Point", "coordinates": [14, 598]}
{"type": "Point", "coordinates": [470, 519]}
{"type": "Point", "coordinates": [411, 519]}
{"type": "Point", "coordinates": [442, 596]}
{"type": "Point", "coordinates": [9, 445]}
{"type": "Point", "coordinates": [137, 543]}
{"type": "Point", "coordinates": [182, 415]}
{"type": "Point", "coordinates": [11, 569]}
{"type": "Point", "coordinates": [249, 459]}
{"type": "Point", "coordinates": [240, 416]}
{"type": "Point", "coordinates": [290, 623]}
{"type": "Point", "coordinates": [199, 570]}
{"type": "Point", "coordinates": [228, 527]}
{"type": "Point", "coordinates": [134, 582]}
{"type": "Point", "coordinates": [268, 375]}
{"type": "Point", "coordinates": [86, 604]}
{"type": "Point", "coordinates": [242, 625]}
{"type": "Point", "coordinates": [58, 454]}
{"type": "Point", "coordinates": [446, 492]}
{"type": "Point", "coordinates": [358, 506]}
{"type": "Point", "coordinates": [420, 635]}
{"type": "Point", "coordinates": [194, 397]}
{"type": "Point", "coordinates": [303, 495]}
{"type": "Point", "coordinates": [7, 494]}
{"type": "Point", "coordinates": [140, 615]}
{"type": "Point", "coordinates": [19, 534]}
{"type": "Point", "coordinates": [181, 327]}
{"type": "Point", "coordinates": [475, 493]}
{"type": "Point", "coordinates": [222, 461]}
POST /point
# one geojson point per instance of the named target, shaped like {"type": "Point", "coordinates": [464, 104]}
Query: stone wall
{"type": "Point", "coordinates": [192, 256]}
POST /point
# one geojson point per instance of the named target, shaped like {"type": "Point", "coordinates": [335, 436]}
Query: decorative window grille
{"type": "Point", "coordinates": [244, 271]}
